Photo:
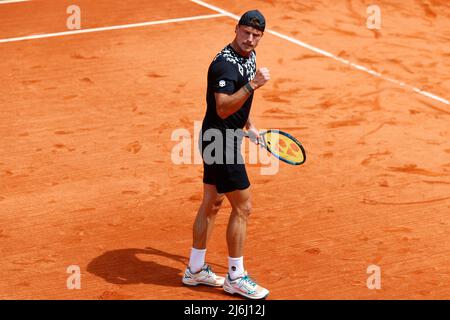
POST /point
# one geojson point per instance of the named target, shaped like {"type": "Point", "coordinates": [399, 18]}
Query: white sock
{"type": "Point", "coordinates": [236, 267]}
{"type": "Point", "coordinates": [197, 260]}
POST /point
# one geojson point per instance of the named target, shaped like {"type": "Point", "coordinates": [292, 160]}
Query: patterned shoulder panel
{"type": "Point", "coordinates": [248, 64]}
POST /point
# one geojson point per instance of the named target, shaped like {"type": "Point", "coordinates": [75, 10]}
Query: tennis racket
{"type": "Point", "coordinates": [282, 145]}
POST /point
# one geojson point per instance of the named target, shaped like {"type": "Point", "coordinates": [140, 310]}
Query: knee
{"type": "Point", "coordinates": [244, 209]}
{"type": "Point", "coordinates": [216, 205]}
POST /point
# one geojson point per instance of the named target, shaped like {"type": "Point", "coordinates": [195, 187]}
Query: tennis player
{"type": "Point", "coordinates": [232, 80]}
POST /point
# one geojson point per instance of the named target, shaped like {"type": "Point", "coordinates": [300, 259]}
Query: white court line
{"type": "Point", "coordinates": [12, 1]}
{"type": "Point", "coordinates": [330, 55]}
{"type": "Point", "coordinates": [125, 26]}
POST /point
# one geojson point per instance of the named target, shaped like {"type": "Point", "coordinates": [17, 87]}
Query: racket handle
{"type": "Point", "coordinates": [258, 141]}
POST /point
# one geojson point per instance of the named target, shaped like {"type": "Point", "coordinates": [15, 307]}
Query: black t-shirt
{"type": "Point", "coordinates": [227, 73]}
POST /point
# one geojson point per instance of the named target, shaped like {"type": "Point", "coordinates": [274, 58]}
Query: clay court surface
{"type": "Point", "coordinates": [85, 140]}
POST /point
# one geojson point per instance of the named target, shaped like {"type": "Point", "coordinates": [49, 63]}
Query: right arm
{"type": "Point", "coordinates": [227, 104]}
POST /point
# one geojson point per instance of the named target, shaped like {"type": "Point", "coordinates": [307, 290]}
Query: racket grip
{"type": "Point", "coordinates": [253, 138]}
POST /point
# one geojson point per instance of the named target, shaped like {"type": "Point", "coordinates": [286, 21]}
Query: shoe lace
{"type": "Point", "coordinates": [248, 279]}
{"type": "Point", "coordinates": [209, 271]}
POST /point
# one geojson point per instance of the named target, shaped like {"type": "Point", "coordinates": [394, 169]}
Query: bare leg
{"type": "Point", "coordinates": [204, 222]}
{"type": "Point", "coordinates": [237, 225]}
{"type": "Point", "coordinates": [237, 280]}
{"type": "Point", "coordinates": [198, 272]}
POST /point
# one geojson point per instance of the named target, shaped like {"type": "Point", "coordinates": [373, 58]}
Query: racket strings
{"type": "Point", "coordinates": [284, 147]}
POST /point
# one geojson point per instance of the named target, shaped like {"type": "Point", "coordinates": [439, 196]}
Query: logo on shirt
{"type": "Point", "coordinates": [222, 83]}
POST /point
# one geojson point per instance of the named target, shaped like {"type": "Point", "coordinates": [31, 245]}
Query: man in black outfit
{"type": "Point", "coordinates": [232, 80]}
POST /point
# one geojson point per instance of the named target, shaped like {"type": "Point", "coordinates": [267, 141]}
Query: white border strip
{"type": "Point", "coordinates": [125, 26]}
{"type": "Point", "coordinates": [12, 1]}
{"type": "Point", "coordinates": [329, 55]}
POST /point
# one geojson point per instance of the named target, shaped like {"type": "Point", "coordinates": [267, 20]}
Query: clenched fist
{"type": "Point", "coordinates": [261, 77]}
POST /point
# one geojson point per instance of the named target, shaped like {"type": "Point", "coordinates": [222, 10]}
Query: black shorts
{"type": "Point", "coordinates": [226, 176]}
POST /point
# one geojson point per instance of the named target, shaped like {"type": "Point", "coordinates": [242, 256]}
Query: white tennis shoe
{"type": "Point", "coordinates": [205, 276]}
{"type": "Point", "coordinates": [245, 286]}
